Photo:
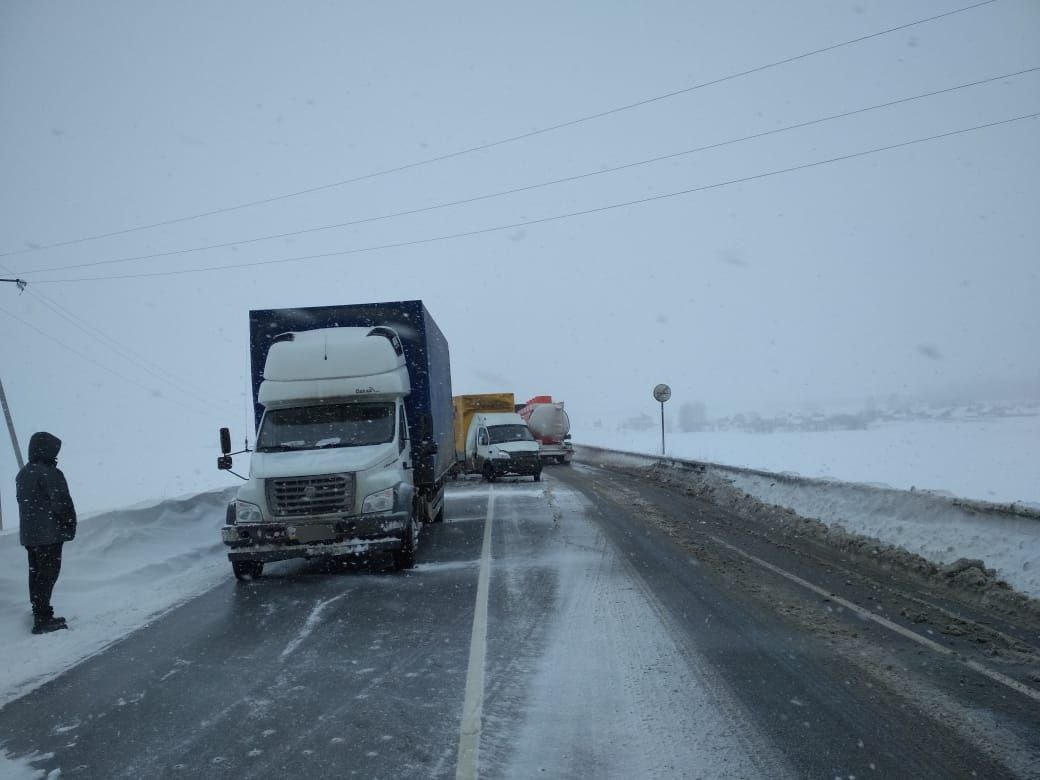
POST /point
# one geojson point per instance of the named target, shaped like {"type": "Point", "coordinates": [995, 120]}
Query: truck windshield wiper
{"type": "Point", "coordinates": [277, 448]}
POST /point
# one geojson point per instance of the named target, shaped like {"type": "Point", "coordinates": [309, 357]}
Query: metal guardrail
{"type": "Point", "coordinates": [983, 507]}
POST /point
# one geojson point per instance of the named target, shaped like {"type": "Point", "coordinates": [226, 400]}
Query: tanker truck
{"type": "Point", "coordinates": [550, 426]}
{"type": "Point", "coordinates": [354, 435]}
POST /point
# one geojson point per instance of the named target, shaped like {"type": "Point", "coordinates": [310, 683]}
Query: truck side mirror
{"type": "Point", "coordinates": [225, 440]}
{"type": "Point", "coordinates": [224, 463]}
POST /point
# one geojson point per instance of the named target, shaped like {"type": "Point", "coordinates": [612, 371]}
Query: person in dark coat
{"type": "Point", "coordinates": [48, 520]}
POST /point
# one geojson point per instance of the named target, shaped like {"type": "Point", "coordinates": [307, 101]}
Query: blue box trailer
{"type": "Point", "coordinates": [428, 406]}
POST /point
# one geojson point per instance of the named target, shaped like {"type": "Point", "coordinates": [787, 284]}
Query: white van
{"type": "Point", "coordinates": [500, 443]}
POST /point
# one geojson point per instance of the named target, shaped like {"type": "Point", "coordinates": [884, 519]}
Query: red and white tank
{"type": "Point", "coordinates": [550, 425]}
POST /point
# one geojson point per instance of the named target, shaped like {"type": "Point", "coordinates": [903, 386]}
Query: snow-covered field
{"type": "Point", "coordinates": [995, 460]}
{"type": "Point", "coordinates": [123, 569]}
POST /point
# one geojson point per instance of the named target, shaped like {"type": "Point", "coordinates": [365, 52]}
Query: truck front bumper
{"type": "Point", "coordinates": [524, 467]}
{"type": "Point", "coordinates": [554, 453]}
{"type": "Point", "coordinates": [283, 540]}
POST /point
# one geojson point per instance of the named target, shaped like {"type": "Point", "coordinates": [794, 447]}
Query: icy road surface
{"type": "Point", "coordinates": [560, 629]}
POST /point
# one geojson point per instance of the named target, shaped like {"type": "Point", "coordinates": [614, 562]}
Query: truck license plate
{"type": "Point", "coordinates": [311, 533]}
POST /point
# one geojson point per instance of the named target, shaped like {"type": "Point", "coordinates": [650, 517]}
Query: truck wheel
{"type": "Point", "coordinates": [247, 570]}
{"type": "Point", "coordinates": [489, 472]}
{"type": "Point", "coordinates": [404, 558]}
{"type": "Point", "coordinates": [538, 476]}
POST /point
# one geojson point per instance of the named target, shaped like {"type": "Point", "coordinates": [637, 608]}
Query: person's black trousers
{"type": "Point", "coordinates": [44, 566]}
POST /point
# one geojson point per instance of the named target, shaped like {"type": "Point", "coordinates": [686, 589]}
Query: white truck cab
{"type": "Point", "coordinates": [331, 474]}
{"type": "Point", "coordinates": [500, 443]}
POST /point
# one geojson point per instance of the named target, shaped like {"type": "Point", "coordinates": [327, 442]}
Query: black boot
{"type": "Point", "coordinates": [46, 625]}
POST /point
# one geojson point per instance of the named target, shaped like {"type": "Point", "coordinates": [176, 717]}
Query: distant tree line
{"type": "Point", "coordinates": [693, 417]}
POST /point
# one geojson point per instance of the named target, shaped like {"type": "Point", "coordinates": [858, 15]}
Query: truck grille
{"type": "Point", "coordinates": [524, 459]}
{"type": "Point", "coordinates": [321, 495]}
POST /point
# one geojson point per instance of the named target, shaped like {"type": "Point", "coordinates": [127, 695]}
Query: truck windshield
{"type": "Point", "coordinates": [499, 434]}
{"type": "Point", "coordinates": [321, 427]}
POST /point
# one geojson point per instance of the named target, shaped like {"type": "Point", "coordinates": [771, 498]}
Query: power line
{"type": "Point", "coordinates": [151, 391]}
{"type": "Point", "coordinates": [503, 141]}
{"type": "Point", "coordinates": [529, 187]}
{"type": "Point", "coordinates": [124, 352]}
{"type": "Point", "coordinates": [553, 218]}
{"type": "Point", "coordinates": [121, 350]}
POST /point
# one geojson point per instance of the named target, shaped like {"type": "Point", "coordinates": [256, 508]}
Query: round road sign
{"type": "Point", "coordinates": [662, 393]}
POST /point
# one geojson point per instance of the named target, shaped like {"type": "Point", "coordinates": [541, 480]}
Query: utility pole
{"type": "Point", "coordinates": [14, 440]}
{"type": "Point", "coordinates": [7, 411]}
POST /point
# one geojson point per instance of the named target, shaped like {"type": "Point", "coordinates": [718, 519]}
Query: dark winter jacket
{"type": "Point", "coordinates": [45, 507]}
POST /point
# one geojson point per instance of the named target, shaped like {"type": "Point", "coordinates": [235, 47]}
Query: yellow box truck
{"type": "Point", "coordinates": [468, 405]}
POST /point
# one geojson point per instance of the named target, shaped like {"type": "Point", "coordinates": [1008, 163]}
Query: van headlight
{"type": "Point", "coordinates": [247, 513]}
{"type": "Point", "coordinates": [501, 454]}
{"type": "Point", "coordinates": [383, 501]}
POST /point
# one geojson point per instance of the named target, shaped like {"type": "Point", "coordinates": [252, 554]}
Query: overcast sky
{"type": "Point", "coordinates": [912, 271]}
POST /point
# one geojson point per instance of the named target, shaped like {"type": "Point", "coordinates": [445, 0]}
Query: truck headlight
{"type": "Point", "coordinates": [501, 454]}
{"type": "Point", "coordinates": [383, 501]}
{"type": "Point", "coordinates": [247, 513]}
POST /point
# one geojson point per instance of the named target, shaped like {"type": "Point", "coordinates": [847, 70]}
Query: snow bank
{"type": "Point", "coordinates": [22, 768]}
{"type": "Point", "coordinates": [939, 528]}
{"type": "Point", "coordinates": [993, 459]}
{"type": "Point", "coordinates": [123, 569]}
{"type": "Point", "coordinates": [931, 526]}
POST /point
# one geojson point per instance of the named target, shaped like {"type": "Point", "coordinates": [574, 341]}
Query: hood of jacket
{"type": "Point", "coordinates": [44, 447]}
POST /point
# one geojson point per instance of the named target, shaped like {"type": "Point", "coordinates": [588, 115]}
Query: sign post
{"type": "Point", "coordinates": [661, 394]}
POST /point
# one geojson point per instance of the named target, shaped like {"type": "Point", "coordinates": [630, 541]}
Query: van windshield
{"type": "Point", "coordinates": [500, 434]}
{"type": "Point", "coordinates": [322, 427]}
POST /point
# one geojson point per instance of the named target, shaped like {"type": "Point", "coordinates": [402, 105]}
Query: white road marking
{"type": "Point", "coordinates": [1003, 679]}
{"type": "Point", "coordinates": [473, 705]}
{"type": "Point", "coordinates": [312, 621]}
